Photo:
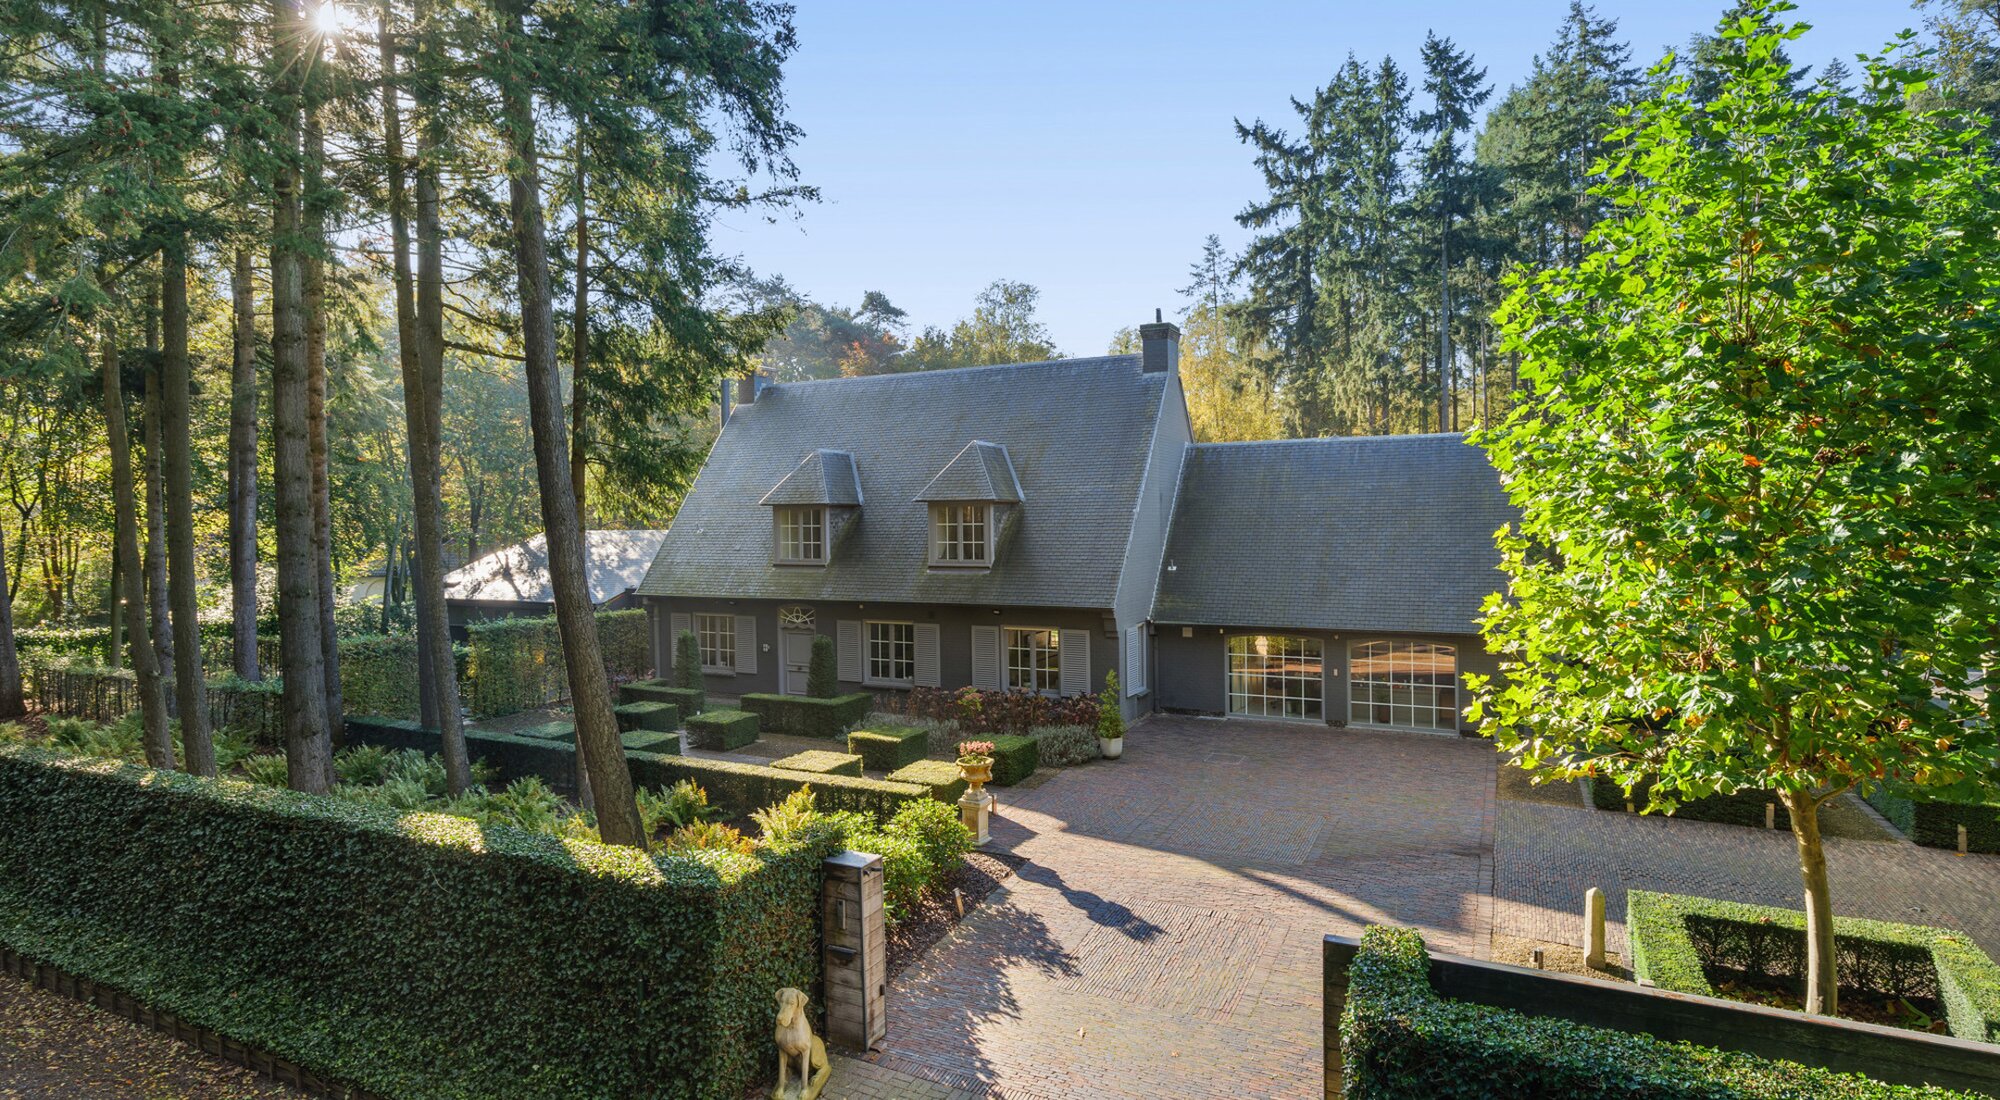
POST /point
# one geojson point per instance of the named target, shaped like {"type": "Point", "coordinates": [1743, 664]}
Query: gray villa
{"type": "Point", "coordinates": [1035, 526]}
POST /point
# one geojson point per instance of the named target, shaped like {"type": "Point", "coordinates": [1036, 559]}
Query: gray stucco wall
{"type": "Point", "coordinates": [1192, 672]}
{"type": "Point", "coordinates": [1151, 516]}
{"type": "Point", "coordinates": [955, 623]}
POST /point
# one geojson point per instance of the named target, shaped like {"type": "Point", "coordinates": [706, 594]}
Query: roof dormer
{"type": "Point", "coordinates": [812, 506]}
{"type": "Point", "coordinates": [973, 504]}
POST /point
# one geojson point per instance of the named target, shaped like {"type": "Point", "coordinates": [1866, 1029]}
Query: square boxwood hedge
{"type": "Point", "coordinates": [941, 776]}
{"type": "Point", "coordinates": [549, 731]}
{"type": "Point", "coordinates": [650, 714]}
{"type": "Point", "coordinates": [886, 748]}
{"type": "Point", "coordinates": [690, 700]}
{"type": "Point", "coordinates": [722, 730]}
{"type": "Point", "coordinates": [821, 762]}
{"type": "Point", "coordinates": [1015, 757]}
{"type": "Point", "coordinates": [805, 716]}
{"type": "Point", "coordinates": [413, 955]}
{"type": "Point", "coordinates": [1934, 824]}
{"type": "Point", "coordinates": [1401, 1041]}
{"type": "Point", "coordinates": [1742, 808]}
{"type": "Point", "coordinates": [743, 788]}
{"type": "Point", "coordinates": [651, 741]}
{"type": "Point", "coordinates": [1673, 938]}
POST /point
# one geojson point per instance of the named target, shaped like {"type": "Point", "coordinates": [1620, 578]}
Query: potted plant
{"type": "Point", "coordinates": [975, 763]}
{"type": "Point", "coordinates": [1110, 723]}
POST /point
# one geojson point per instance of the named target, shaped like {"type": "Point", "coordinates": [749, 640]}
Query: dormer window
{"type": "Point", "coordinates": [961, 534]}
{"type": "Point", "coordinates": [801, 535]}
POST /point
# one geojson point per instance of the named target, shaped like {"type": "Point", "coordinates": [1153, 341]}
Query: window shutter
{"type": "Point", "coordinates": [927, 655]}
{"type": "Point", "coordinates": [677, 625]}
{"type": "Point", "coordinates": [1135, 661]}
{"type": "Point", "coordinates": [986, 658]}
{"type": "Point", "coordinates": [849, 637]}
{"type": "Point", "coordinates": [1074, 652]}
{"type": "Point", "coordinates": [746, 645]}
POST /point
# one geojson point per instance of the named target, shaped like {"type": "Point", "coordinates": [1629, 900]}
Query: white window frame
{"type": "Point", "coordinates": [799, 528]}
{"type": "Point", "coordinates": [1248, 690]}
{"type": "Point", "coordinates": [1403, 693]}
{"type": "Point", "coordinates": [1045, 661]}
{"type": "Point", "coordinates": [716, 635]}
{"type": "Point", "coordinates": [879, 651]}
{"type": "Point", "coordinates": [953, 541]}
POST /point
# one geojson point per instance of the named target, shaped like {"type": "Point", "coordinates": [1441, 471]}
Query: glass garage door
{"type": "Point", "coordinates": [1409, 685]}
{"type": "Point", "coordinates": [1274, 676]}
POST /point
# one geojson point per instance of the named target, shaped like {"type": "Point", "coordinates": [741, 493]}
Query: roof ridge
{"type": "Point", "coordinates": [1330, 439]}
{"type": "Point", "coordinates": [1072, 361]}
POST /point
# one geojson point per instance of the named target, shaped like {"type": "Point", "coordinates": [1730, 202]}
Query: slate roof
{"type": "Point", "coordinates": [1076, 431]}
{"type": "Point", "coordinates": [822, 477]}
{"type": "Point", "coordinates": [615, 562]}
{"type": "Point", "coordinates": [982, 471]}
{"type": "Point", "coordinates": [1387, 533]}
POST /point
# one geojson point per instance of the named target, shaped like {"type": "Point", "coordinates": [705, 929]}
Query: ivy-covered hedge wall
{"type": "Point", "coordinates": [517, 664]}
{"type": "Point", "coordinates": [1674, 937]}
{"type": "Point", "coordinates": [1401, 1041]}
{"type": "Point", "coordinates": [414, 955]}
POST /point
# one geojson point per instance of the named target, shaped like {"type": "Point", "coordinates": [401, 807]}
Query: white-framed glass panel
{"type": "Point", "coordinates": [802, 534]}
{"type": "Point", "coordinates": [958, 534]}
{"type": "Point", "coordinates": [1277, 676]}
{"type": "Point", "coordinates": [892, 653]}
{"type": "Point", "coordinates": [1034, 659]}
{"type": "Point", "coordinates": [717, 634]}
{"type": "Point", "coordinates": [1409, 685]}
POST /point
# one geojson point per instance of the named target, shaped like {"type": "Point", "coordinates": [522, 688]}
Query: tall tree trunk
{"type": "Point", "coordinates": [313, 208]}
{"type": "Point", "coordinates": [590, 692]}
{"type": "Point", "coordinates": [423, 409]}
{"type": "Point", "coordinates": [243, 473]}
{"type": "Point", "coordinates": [308, 744]}
{"type": "Point", "coordinates": [158, 739]}
{"type": "Point", "coordinates": [190, 686]}
{"type": "Point", "coordinates": [11, 705]}
{"type": "Point", "coordinates": [159, 609]}
{"type": "Point", "coordinates": [579, 457]}
{"type": "Point", "coordinates": [1822, 972]}
{"type": "Point", "coordinates": [114, 611]}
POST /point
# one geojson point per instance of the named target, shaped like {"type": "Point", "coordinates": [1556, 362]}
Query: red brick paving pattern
{"type": "Point", "coordinates": [1164, 939]}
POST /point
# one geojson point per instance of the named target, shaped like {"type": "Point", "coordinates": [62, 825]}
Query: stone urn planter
{"type": "Point", "coordinates": [975, 806]}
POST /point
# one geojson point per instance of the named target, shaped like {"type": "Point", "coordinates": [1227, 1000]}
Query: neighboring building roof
{"type": "Point", "coordinates": [822, 477]}
{"type": "Point", "coordinates": [614, 563]}
{"type": "Point", "coordinates": [1076, 431]}
{"type": "Point", "coordinates": [982, 471]}
{"type": "Point", "coordinates": [1383, 533]}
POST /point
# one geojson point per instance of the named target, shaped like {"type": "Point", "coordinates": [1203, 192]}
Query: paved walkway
{"type": "Point", "coordinates": [1164, 940]}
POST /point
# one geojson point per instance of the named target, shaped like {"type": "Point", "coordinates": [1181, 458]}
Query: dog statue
{"type": "Point", "coordinates": [797, 1043]}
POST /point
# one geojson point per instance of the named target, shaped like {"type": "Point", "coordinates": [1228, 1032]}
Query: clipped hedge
{"type": "Point", "coordinates": [665, 717]}
{"type": "Point", "coordinates": [1676, 939]}
{"type": "Point", "coordinates": [651, 741]}
{"type": "Point", "coordinates": [517, 664]}
{"type": "Point", "coordinates": [744, 788]}
{"type": "Point", "coordinates": [414, 955]}
{"type": "Point", "coordinates": [690, 700]}
{"type": "Point", "coordinates": [941, 776]}
{"type": "Point", "coordinates": [512, 755]}
{"type": "Point", "coordinates": [886, 748]}
{"type": "Point", "coordinates": [821, 762]}
{"type": "Point", "coordinates": [1015, 757]}
{"type": "Point", "coordinates": [1934, 824]}
{"type": "Point", "coordinates": [1401, 1041]}
{"type": "Point", "coordinates": [805, 716]}
{"type": "Point", "coordinates": [722, 730]}
{"type": "Point", "coordinates": [378, 675]}
{"type": "Point", "coordinates": [1742, 808]}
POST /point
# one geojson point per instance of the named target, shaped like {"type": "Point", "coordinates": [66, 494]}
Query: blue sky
{"type": "Point", "coordinates": [1087, 148]}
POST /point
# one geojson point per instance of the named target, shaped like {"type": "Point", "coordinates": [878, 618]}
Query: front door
{"type": "Point", "coordinates": [798, 647]}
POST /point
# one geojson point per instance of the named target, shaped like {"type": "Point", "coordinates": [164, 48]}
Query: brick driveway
{"type": "Point", "coordinates": [1164, 938]}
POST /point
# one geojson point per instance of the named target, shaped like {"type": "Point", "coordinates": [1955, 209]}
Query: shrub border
{"type": "Point", "coordinates": [1663, 952]}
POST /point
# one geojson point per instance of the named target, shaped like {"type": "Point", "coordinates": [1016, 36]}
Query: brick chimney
{"type": "Point", "coordinates": [750, 386]}
{"type": "Point", "coordinates": [1159, 346]}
